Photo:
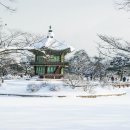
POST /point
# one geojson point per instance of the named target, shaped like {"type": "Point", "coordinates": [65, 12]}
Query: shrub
{"type": "Point", "coordinates": [33, 87]}
{"type": "Point", "coordinates": [54, 88]}
{"type": "Point", "coordinates": [73, 80]}
{"type": "Point", "coordinates": [89, 88]}
{"type": "Point", "coordinates": [44, 84]}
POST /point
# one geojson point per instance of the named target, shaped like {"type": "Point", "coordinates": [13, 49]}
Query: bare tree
{"type": "Point", "coordinates": [16, 41]}
{"type": "Point", "coordinates": [73, 80]}
{"type": "Point", "coordinates": [15, 44]}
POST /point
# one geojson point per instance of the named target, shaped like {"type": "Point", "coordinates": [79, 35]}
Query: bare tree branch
{"type": "Point", "coordinates": [125, 4]}
{"type": "Point", "coordinates": [7, 7]}
{"type": "Point", "coordinates": [113, 45]}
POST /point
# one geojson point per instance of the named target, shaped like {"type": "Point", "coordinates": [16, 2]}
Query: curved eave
{"type": "Point", "coordinates": [52, 51]}
{"type": "Point", "coordinates": [36, 51]}
{"type": "Point", "coordinates": [44, 51]}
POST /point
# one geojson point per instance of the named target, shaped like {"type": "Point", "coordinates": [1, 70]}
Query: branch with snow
{"type": "Point", "coordinates": [110, 46]}
{"type": "Point", "coordinates": [5, 5]}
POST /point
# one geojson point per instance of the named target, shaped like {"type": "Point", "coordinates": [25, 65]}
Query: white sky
{"type": "Point", "coordinates": [74, 21]}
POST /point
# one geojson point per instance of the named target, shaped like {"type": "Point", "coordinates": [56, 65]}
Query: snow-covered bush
{"type": "Point", "coordinates": [89, 88]}
{"type": "Point", "coordinates": [8, 77]}
{"type": "Point", "coordinates": [32, 87]}
{"type": "Point", "coordinates": [44, 84]}
{"type": "Point", "coordinates": [54, 88]}
{"type": "Point", "coordinates": [35, 77]}
{"type": "Point", "coordinates": [104, 83]}
{"type": "Point", "coordinates": [73, 80]}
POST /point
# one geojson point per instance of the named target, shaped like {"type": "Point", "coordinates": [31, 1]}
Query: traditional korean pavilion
{"type": "Point", "coordinates": [50, 57]}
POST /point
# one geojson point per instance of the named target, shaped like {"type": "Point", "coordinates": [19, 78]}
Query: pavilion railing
{"type": "Point", "coordinates": [48, 63]}
{"type": "Point", "coordinates": [52, 76]}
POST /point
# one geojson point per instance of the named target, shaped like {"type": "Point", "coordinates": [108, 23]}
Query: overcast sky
{"type": "Point", "coordinates": [75, 21]}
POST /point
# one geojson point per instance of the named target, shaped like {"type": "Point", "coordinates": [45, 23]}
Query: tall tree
{"type": "Point", "coordinates": [82, 64]}
{"type": "Point", "coordinates": [98, 67]}
{"type": "Point", "coordinates": [120, 65]}
{"type": "Point", "coordinates": [79, 62]}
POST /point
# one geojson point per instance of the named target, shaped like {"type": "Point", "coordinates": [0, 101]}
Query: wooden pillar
{"type": "Point", "coordinates": [62, 70]}
{"type": "Point", "coordinates": [35, 70]}
{"type": "Point", "coordinates": [46, 69]}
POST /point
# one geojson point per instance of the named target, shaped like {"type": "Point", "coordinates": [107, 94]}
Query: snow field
{"type": "Point", "coordinates": [69, 113]}
{"type": "Point", "coordinates": [109, 113]}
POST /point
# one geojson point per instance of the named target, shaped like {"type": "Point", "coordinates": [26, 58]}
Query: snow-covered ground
{"type": "Point", "coordinates": [20, 87]}
{"type": "Point", "coordinates": [104, 113]}
{"type": "Point", "coordinates": [68, 113]}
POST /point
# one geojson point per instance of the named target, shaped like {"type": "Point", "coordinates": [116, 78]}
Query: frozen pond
{"type": "Point", "coordinates": [104, 113]}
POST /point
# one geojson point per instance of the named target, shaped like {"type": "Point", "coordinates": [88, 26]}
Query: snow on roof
{"type": "Point", "coordinates": [51, 43]}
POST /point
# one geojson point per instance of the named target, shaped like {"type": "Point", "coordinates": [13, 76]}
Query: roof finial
{"type": "Point", "coordinates": [50, 26]}
{"type": "Point", "coordinates": [50, 30]}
